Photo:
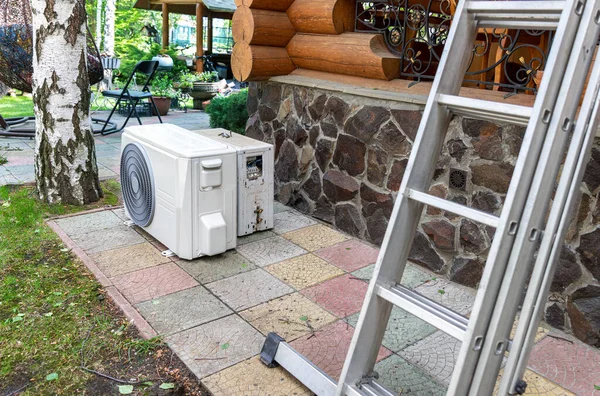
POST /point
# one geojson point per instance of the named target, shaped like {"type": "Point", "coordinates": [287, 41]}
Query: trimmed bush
{"type": "Point", "coordinates": [229, 112]}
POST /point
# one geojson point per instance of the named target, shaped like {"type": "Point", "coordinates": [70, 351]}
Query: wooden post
{"type": "Point", "coordinates": [209, 35]}
{"type": "Point", "coordinates": [165, 25]}
{"type": "Point", "coordinates": [199, 38]}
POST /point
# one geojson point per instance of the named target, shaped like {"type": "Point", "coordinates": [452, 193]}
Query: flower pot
{"type": "Point", "coordinates": [162, 104]}
{"type": "Point", "coordinates": [203, 91]}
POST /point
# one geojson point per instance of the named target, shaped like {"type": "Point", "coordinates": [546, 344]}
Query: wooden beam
{"type": "Point", "coordinates": [273, 5]}
{"type": "Point", "coordinates": [257, 62]}
{"type": "Point", "coordinates": [262, 27]}
{"type": "Point", "coordinates": [199, 37]}
{"type": "Point", "coordinates": [165, 25]}
{"type": "Point", "coordinates": [209, 34]}
{"type": "Point", "coordinates": [322, 16]}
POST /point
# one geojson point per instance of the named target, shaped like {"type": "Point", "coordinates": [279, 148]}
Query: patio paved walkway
{"type": "Point", "coordinates": [305, 281]}
{"type": "Point", "coordinates": [19, 152]}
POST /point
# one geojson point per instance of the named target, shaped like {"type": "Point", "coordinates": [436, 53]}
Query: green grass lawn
{"type": "Point", "coordinates": [16, 106]}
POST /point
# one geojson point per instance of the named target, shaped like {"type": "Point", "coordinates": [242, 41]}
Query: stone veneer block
{"type": "Point", "coordinates": [83, 224]}
{"type": "Point", "coordinates": [182, 310]}
{"type": "Point", "coordinates": [252, 377]}
{"type": "Point", "coordinates": [249, 289]}
{"type": "Point", "coordinates": [435, 354]}
{"type": "Point", "coordinates": [107, 239]}
{"type": "Point", "coordinates": [290, 220]}
{"type": "Point", "coordinates": [403, 329]}
{"type": "Point", "coordinates": [328, 347]}
{"type": "Point", "coordinates": [402, 378]}
{"type": "Point", "coordinates": [289, 316]}
{"type": "Point", "coordinates": [571, 365]}
{"type": "Point", "coordinates": [458, 298]}
{"type": "Point", "coordinates": [538, 386]}
{"type": "Point", "coordinates": [214, 346]}
{"type": "Point", "coordinates": [129, 258]}
{"type": "Point", "coordinates": [153, 282]}
{"type": "Point", "coordinates": [303, 271]}
{"type": "Point", "coordinates": [342, 296]}
{"type": "Point", "coordinates": [270, 251]}
{"type": "Point", "coordinates": [315, 237]}
{"type": "Point", "coordinates": [213, 268]}
{"type": "Point", "coordinates": [350, 255]}
{"type": "Point", "coordinates": [256, 236]}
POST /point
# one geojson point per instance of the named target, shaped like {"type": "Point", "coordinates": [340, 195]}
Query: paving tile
{"type": "Point", "coordinates": [120, 213]}
{"type": "Point", "coordinates": [104, 172]}
{"type": "Point", "coordinates": [402, 378]}
{"type": "Point", "coordinates": [289, 316]}
{"type": "Point", "coordinates": [249, 289]}
{"type": "Point", "coordinates": [303, 271]}
{"type": "Point", "coordinates": [278, 207]}
{"type": "Point", "coordinates": [315, 237]}
{"type": "Point", "coordinates": [328, 347]}
{"type": "Point", "coordinates": [128, 259]}
{"type": "Point", "coordinates": [290, 220]}
{"type": "Point", "coordinates": [403, 329]}
{"type": "Point", "coordinates": [21, 160]}
{"type": "Point", "coordinates": [107, 239]}
{"type": "Point", "coordinates": [182, 310]}
{"type": "Point", "coordinates": [538, 385]}
{"type": "Point", "coordinates": [216, 345]}
{"type": "Point", "coordinates": [542, 332]}
{"type": "Point", "coordinates": [412, 277]}
{"type": "Point", "coordinates": [458, 298]}
{"type": "Point", "coordinates": [350, 255]}
{"type": "Point", "coordinates": [571, 365]}
{"type": "Point", "coordinates": [106, 151]}
{"type": "Point", "coordinates": [435, 354]}
{"type": "Point", "coordinates": [8, 179]}
{"type": "Point", "coordinates": [253, 378]}
{"type": "Point", "coordinates": [270, 250]}
{"type": "Point", "coordinates": [83, 224]}
{"type": "Point", "coordinates": [342, 296]}
{"type": "Point", "coordinates": [153, 282]}
{"type": "Point", "coordinates": [256, 236]}
{"type": "Point", "coordinates": [213, 268]}
{"type": "Point", "coordinates": [21, 170]}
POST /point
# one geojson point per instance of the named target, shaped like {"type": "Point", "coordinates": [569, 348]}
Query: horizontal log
{"type": "Point", "coordinates": [322, 16]}
{"type": "Point", "coordinates": [257, 62]}
{"type": "Point", "coordinates": [273, 5]}
{"type": "Point", "coordinates": [262, 27]}
{"type": "Point", "coordinates": [354, 54]}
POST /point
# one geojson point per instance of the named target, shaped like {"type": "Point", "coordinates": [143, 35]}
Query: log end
{"type": "Point", "coordinates": [242, 25]}
{"type": "Point", "coordinates": [256, 62]}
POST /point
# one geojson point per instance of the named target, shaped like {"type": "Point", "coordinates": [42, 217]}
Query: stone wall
{"type": "Point", "coordinates": [341, 158]}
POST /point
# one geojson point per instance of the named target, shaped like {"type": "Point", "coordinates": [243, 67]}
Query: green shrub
{"type": "Point", "coordinates": [229, 112]}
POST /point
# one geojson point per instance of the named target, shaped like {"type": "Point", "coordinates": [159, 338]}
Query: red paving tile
{"type": "Point", "coordinates": [153, 282]}
{"type": "Point", "coordinates": [342, 296]}
{"type": "Point", "coordinates": [328, 347]}
{"type": "Point", "coordinates": [350, 255]}
{"type": "Point", "coordinates": [572, 365]}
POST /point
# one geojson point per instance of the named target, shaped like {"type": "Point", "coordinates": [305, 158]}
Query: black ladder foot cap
{"type": "Point", "coordinates": [269, 349]}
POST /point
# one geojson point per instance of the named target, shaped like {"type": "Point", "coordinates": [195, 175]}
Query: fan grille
{"type": "Point", "coordinates": [137, 183]}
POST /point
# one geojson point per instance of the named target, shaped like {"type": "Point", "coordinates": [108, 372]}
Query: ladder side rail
{"type": "Point", "coordinates": [560, 218]}
{"type": "Point", "coordinates": [515, 201]}
{"type": "Point", "coordinates": [538, 202]}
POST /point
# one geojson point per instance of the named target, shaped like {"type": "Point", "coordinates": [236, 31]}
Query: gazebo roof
{"type": "Point", "coordinates": [187, 6]}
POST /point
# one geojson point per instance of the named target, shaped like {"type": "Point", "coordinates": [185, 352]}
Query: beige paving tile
{"type": "Point", "coordinates": [252, 378]}
{"type": "Point", "coordinates": [542, 332]}
{"type": "Point", "coordinates": [538, 385]}
{"type": "Point", "coordinates": [315, 237]}
{"type": "Point", "coordinates": [304, 271]}
{"type": "Point", "coordinates": [129, 258]}
{"type": "Point", "coordinates": [290, 316]}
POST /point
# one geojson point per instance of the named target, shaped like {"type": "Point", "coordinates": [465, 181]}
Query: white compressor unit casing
{"type": "Point", "coordinates": [181, 188]}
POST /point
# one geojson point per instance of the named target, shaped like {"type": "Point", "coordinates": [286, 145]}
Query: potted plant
{"type": "Point", "coordinates": [162, 93]}
{"type": "Point", "coordinates": [205, 87]}
{"type": "Point", "coordinates": [186, 82]}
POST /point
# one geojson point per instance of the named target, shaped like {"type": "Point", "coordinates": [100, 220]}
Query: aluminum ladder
{"type": "Point", "coordinates": [544, 121]}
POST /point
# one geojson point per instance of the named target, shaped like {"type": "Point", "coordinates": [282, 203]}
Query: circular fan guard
{"type": "Point", "coordinates": [137, 183]}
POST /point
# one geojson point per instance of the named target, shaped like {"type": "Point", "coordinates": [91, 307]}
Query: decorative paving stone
{"type": "Point", "coordinates": [249, 289]}
{"type": "Point", "coordinates": [129, 258]}
{"type": "Point", "coordinates": [538, 385]}
{"type": "Point", "coordinates": [107, 239]}
{"type": "Point", "coordinates": [290, 220]}
{"type": "Point", "coordinates": [214, 346]}
{"type": "Point", "coordinates": [253, 378]}
{"type": "Point", "coordinates": [343, 296]}
{"type": "Point", "coordinates": [402, 378]}
{"type": "Point", "coordinates": [315, 237]}
{"type": "Point", "coordinates": [403, 329]}
{"type": "Point", "coordinates": [278, 207]}
{"type": "Point", "coordinates": [571, 365]}
{"type": "Point", "coordinates": [120, 213]}
{"type": "Point", "coordinates": [303, 271]}
{"type": "Point", "coordinates": [350, 255]}
{"type": "Point", "coordinates": [270, 251]}
{"type": "Point", "coordinates": [182, 310]}
{"type": "Point", "coordinates": [153, 282]}
{"type": "Point", "coordinates": [328, 347]}
{"type": "Point", "coordinates": [212, 268]}
{"type": "Point", "coordinates": [289, 316]}
{"type": "Point", "coordinates": [453, 296]}
{"type": "Point", "coordinates": [435, 354]}
{"type": "Point", "coordinates": [83, 224]}
{"type": "Point", "coordinates": [412, 277]}
{"type": "Point", "coordinates": [365, 273]}
{"type": "Point", "coordinates": [257, 236]}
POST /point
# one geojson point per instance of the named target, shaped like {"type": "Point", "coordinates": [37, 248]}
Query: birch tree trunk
{"type": "Point", "coordinates": [109, 36]}
{"type": "Point", "coordinates": [65, 156]}
{"type": "Point", "coordinates": [98, 24]}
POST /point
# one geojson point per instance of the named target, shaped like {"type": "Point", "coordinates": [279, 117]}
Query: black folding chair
{"type": "Point", "coordinates": [148, 68]}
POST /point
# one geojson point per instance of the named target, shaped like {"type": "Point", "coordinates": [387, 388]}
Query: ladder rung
{"type": "Point", "coordinates": [542, 15]}
{"type": "Point", "coordinates": [486, 110]}
{"type": "Point", "coordinates": [461, 210]}
{"type": "Point", "coordinates": [431, 312]}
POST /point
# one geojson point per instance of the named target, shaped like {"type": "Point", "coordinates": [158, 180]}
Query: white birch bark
{"type": "Point", "coordinates": [65, 157]}
{"type": "Point", "coordinates": [109, 36]}
{"type": "Point", "coordinates": [98, 23]}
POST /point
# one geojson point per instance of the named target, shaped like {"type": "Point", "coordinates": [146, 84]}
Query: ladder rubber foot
{"type": "Point", "coordinates": [269, 349]}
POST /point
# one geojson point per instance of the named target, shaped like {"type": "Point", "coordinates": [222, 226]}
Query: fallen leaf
{"type": "Point", "coordinates": [304, 318]}
{"type": "Point", "coordinates": [48, 314]}
{"type": "Point", "coordinates": [167, 385]}
{"type": "Point", "coordinates": [125, 389]}
{"type": "Point", "coordinates": [225, 346]}
{"type": "Point", "coordinates": [52, 377]}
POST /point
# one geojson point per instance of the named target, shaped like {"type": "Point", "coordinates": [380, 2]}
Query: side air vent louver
{"type": "Point", "coordinates": [137, 183]}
